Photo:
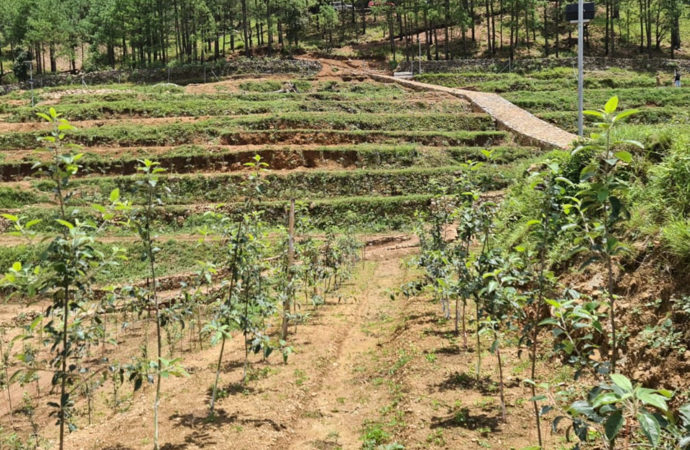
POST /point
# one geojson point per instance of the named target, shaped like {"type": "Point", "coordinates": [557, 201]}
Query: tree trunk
{"type": "Point", "coordinates": [53, 61]}
{"type": "Point", "coordinates": [290, 263]}
{"type": "Point", "coordinates": [488, 27]}
{"type": "Point", "coordinates": [546, 31]}
{"type": "Point", "coordinates": [245, 29]}
{"type": "Point", "coordinates": [445, 30]}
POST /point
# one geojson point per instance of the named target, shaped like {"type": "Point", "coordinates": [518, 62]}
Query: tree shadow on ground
{"type": "Point", "coordinates": [220, 419]}
{"type": "Point", "coordinates": [452, 350]}
{"type": "Point", "coordinates": [235, 364]}
{"type": "Point", "coordinates": [230, 389]}
{"type": "Point", "coordinates": [200, 424]}
{"type": "Point", "coordinates": [428, 317]}
{"type": "Point", "coordinates": [464, 419]}
{"type": "Point", "coordinates": [463, 380]}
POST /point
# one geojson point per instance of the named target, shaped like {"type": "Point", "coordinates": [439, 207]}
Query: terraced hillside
{"type": "Point", "coordinates": [552, 94]}
{"type": "Point", "coordinates": [343, 147]}
{"type": "Point", "coordinates": [360, 158]}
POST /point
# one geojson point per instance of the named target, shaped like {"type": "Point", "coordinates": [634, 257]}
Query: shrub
{"type": "Point", "coordinates": [677, 238]}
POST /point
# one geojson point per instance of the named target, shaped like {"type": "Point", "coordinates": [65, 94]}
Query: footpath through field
{"type": "Point", "coordinates": [522, 123]}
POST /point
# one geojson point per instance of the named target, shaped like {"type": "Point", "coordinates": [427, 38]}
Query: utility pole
{"type": "Point", "coordinates": [580, 63]}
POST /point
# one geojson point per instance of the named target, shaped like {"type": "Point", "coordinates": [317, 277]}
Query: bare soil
{"type": "Point", "coordinates": [364, 359]}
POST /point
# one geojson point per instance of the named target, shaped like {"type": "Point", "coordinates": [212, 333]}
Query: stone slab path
{"type": "Point", "coordinates": [528, 128]}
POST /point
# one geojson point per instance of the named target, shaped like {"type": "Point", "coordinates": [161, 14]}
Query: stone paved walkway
{"type": "Point", "coordinates": [528, 128]}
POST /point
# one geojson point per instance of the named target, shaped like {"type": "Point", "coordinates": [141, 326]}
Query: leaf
{"type": "Point", "coordinates": [65, 223]}
{"type": "Point", "coordinates": [613, 425]}
{"type": "Point", "coordinates": [685, 414]}
{"type": "Point", "coordinates": [631, 142]}
{"type": "Point", "coordinates": [554, 424]}
{"type": "Point", "coordinates": [584, 408]}
{"type": "Point", "coordinates": [622, 382]}
{"type": "Point", "coordinates": [650, 427]}
{"type": "Point", "coordinates": [115, 195]}
{"type": "Point", "coordinates": [611, 105]}
{"type": "Point", "coordinates": [17, 266]}
{"type": "Point", "coordinates": [596, 114]}
{"type": "Point", "coordinates": [545, 410]}
{"type": "Point", "coordinates": [649, 397]}
{"type": "Point", "coordinates": [11, 217]}
{"type": "Point", "coordinates": [625, 114]}
{"type": "Point", "coordinates": [607, 398]}
{"type": "Point", "coordinates": [624, 156]}
{"type": "Point", "coordinates": [665, 392]}
{"type": "Point", "coordinates": [31, 223]}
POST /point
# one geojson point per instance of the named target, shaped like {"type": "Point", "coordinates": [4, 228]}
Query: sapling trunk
{"type": "Point", "coordinates": [215, 383]}
{"type": "Point", "coordinates": [246, 335]}
{"type": "Point", "coordinates": [7, 378]}
{"type": "Point", "coordinates": [233, 281]}
{"type": "Point", "coordinates": [479, 346]}
{"type": "Point", "coordinates": [65, 307]}
{"type": "Point", "coordinates": [535, 337]}
{"type": "Point", "coordinates": [612, 314]}
{"type": "Point", "coordinates": [500, 378]}
{"type": "Point", "coordinates": [290, 263]}
{"type": "Point", "coordinates": [464, 329]}
{"type": "Point", "coordinates": [159, 344]}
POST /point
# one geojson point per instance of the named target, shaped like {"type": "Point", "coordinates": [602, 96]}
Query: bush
{"type": "Point", "coordinates": [677, 238]}
{"type": "Point", "coordinates": [670, 180]}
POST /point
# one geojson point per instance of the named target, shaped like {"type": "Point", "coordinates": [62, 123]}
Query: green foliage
{"type": "Point", "coordinates": [16, 198]}
{"type": "Point", "coordinates": [609, 407]}
{"type": "Point", "coordinates": [677, 238]}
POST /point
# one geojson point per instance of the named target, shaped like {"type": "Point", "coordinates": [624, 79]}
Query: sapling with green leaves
{"type": "Point", "coordinates": [619, 405]}
{"type": "Point", "coordinates": [600, 204]}
{"type": "Point", "coordinates": [243, 304]}
{"type": "Point", "coordinates": [543, 228]}
{"type": "Point", "coordinates": [479, 264]}
{"type": "Point", "coordinates": [576, 325]}
{"type": "Point", "coordinates": [140, 219]}
{"type": "Point", "coordinates": [466, 230]}
{"type": "Point", "coordinates": [5, 352]}
{"type": "Point", "coordinates": [65, 273]}
{"type": "Point", "coordinates": [502, 305]}
{"type": "Point", "coordinates": [435, 255]}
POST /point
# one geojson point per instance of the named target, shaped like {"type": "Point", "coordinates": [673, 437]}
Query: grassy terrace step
{"type": "Point", "coordinates": [194, 107]}
{"type": "Point", "coordinates": [539, 81]}
{"type": "Point", "coordinates": [192, 158]}
{"type": "Point", "coordinates": [211, 130]}
{"type": "Point", "coordinates": [261, 88]}
{"type": "Point", "coordinates": [197, 188]}
{"type": "Point", "coordinates": [629, 98]}
{"type": "Point", "coordinates": [367, 213]}
{"type": "Point", "coordinates": [467, 121]}
{"type": "Point", "coordinates": [176, 254]}
{"type": "Point", "coordinates": [568, 119]}
{"type": "Point", "coordinates": [132, 94]}
{"type": "Point", "coordinates": [328, 137]}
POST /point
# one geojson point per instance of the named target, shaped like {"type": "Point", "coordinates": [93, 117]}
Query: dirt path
{"type": "Point", "coordinates": [335, 411]}
{"type": "Point", "coordinates": [525, 125]}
